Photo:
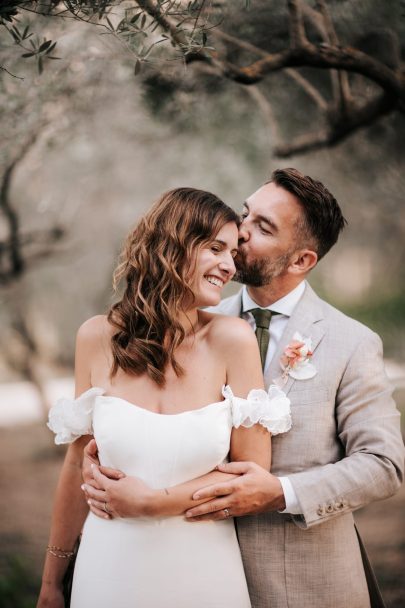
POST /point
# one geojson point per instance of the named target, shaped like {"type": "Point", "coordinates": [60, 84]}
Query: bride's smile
{"type": "Point", "coordinates": [214, 266]}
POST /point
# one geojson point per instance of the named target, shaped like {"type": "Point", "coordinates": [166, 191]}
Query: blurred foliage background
{"type": "Point", "coordinates": [105, 105]}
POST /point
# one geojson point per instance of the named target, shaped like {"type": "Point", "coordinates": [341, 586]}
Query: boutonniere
{"type": "Point", "coordinates": [296, 360]}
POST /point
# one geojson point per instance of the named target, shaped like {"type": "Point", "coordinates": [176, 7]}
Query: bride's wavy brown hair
{"type": "Point", "coordinates": [156, 263]}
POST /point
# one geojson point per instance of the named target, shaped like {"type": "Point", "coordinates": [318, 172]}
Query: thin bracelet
{"type": "Point", "coordinates": [58, 552]}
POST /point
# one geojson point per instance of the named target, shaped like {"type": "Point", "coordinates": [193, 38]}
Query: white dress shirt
{"type": "Point", "coordinates": [285, 307]}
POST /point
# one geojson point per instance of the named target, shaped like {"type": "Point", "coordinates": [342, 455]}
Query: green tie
{"type": "Point", "coordinates": [262, 318]}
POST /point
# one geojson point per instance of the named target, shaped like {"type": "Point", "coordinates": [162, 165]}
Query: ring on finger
{"type": "Point", "coordinates": [227, 513]}
{"type": "Point", "coordinates": [106, 508]}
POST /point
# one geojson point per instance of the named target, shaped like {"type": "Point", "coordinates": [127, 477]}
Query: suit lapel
{"type": "Point", "coordinates": [307, 320]}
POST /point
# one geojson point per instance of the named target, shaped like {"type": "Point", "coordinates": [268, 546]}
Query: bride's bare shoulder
{"type": "Point", "coordinates": [94, 331]}
{"type": "Point", "coordinates": [229, 330]}
{"type": "Point", "coordinates": [235, 342]}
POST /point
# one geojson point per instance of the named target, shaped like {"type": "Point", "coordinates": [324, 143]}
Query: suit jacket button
{"type": "Point", "coordinates": [321, 511]}
{"type": "Point", "coordinates": [344, 502]}
{"type": "Point", "coordinates": [338, 505]}
{"type": "Point", "coordinates": [330, 508]}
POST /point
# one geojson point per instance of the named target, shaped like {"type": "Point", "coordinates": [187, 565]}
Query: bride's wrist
{"type": "Point", "coordinates": [155, 506]}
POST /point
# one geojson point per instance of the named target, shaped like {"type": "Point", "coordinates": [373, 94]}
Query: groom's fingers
{"type": "Point", "coordinates": [214, 509]}
{"type": "Point", "coordinates": [216, 489]}
{"type": "Point", "coordinates": [227, 487]}
{"type": "Point", "coordinates": [237, 468]}
{"type": "Point", "coordinates": [208, 508]}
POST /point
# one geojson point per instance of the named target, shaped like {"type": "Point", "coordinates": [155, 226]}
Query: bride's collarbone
{"type": "Point", "coordinates": [187, 392]}
{"type": "Point", "coordinates": [200, 384]}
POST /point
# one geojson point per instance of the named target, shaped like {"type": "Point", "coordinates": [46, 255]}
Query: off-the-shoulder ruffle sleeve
{"type": "Point", "coordinates": [72, 418]}
{"type": "Point", "coordinates": [270, 409]}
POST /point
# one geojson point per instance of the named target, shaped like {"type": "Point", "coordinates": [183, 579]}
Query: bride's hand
{"type": "Point", "coordinates": [90, 456]}
{"type": "Point", "coordinates": [125, 497]}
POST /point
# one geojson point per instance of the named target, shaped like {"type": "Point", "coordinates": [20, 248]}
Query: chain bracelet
{"type": "Point", "coordinates": [58, 552]}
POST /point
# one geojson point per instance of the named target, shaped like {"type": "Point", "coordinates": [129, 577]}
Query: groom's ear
{"type": "Point", "coordinates": [303, 261]}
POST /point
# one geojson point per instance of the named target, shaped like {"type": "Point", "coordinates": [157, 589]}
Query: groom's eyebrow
{"type": "Point", "coordinates": [263, 218]}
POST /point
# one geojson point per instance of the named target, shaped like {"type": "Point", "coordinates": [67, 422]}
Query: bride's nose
{"type": "Point", "coordinates": [227, 266]}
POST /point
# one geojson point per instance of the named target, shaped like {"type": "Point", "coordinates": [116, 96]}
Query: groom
{"type": "Point", "coordinates": [298, 540]}
{"type": "Point", "coordinates": [295, 525]}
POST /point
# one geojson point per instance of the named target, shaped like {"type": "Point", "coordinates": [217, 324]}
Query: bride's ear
{"type": "Point", "coordinates": [303, 261]}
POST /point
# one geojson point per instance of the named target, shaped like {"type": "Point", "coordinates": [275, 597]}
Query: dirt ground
{"type": "Point", "coordinates": [29, 469]}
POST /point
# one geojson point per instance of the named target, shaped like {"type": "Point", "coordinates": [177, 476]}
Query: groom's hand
{"type": "Point", "coordinates": [254, 491]}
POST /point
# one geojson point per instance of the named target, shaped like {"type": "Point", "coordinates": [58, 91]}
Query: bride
{"type": "Point", "coordinates": [168, 391]}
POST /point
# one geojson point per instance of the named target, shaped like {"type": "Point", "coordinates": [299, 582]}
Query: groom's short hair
{"type": "Point", "coordinates": [322, 219]}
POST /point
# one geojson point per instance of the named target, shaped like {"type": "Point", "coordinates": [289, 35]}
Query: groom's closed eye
{"type": "Point", "coordinates": [266, 224]}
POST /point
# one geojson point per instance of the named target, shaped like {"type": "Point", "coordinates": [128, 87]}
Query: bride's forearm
{"type": "Point", "coordinates": [175, 500]}
{"type": "Point", "coordinates": [69, 512]}
{"type": "Point", "coordinates": [131, 497]}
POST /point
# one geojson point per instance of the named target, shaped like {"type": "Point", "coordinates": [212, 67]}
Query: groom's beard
{"type": "Point", "coordinates": [260, 272]}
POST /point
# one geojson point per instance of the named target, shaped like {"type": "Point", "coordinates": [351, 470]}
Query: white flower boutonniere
{"type": "Point", "coordinates": [296, 360]}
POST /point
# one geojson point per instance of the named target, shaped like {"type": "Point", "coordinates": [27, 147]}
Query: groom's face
{"type": "Point", "coordinates": [267, 236]}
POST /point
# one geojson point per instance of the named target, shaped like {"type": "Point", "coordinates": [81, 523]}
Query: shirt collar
{"type": "Point", "coordinates": [284, 306]}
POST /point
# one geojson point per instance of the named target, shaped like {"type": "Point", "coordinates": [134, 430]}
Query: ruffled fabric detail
{"type": "Point", "coordinates": [270, 409]}
{"type": "Point", "coordinates": [72, 418]}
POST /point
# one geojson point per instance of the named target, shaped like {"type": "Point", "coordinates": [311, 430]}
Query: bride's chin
{"type": "Point", "coordinates": [211, 300]}
{"type": "Point", "coordinates": [214, 300]}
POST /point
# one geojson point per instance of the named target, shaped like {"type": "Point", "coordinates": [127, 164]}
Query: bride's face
{"type": "Point", "coordinates": [214, 266]}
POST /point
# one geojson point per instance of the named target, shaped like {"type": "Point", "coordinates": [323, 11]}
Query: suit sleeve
{"type": "Point", "coordinates": [368, 428]}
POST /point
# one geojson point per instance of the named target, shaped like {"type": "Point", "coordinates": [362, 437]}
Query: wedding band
{"type": "Point", "coordinates": [106, 508]}
{"type": "Point", "coordinates": [226, 511]}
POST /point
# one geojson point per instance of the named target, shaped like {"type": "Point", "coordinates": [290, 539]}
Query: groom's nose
{"type": "Point", "coordinates": [243, 233]}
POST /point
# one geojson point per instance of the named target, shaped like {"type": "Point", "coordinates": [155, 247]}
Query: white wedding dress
{"type": "Point", "coordinates": [163, 562]}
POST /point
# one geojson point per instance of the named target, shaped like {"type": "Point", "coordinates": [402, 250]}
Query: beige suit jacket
{"type": "Point", "coordinates": [344, 450]}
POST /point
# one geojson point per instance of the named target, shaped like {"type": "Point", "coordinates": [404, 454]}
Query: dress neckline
{"type": "Point", "coordinates": [144, 409]}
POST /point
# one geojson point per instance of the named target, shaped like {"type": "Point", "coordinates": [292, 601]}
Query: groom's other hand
{"type": "Point", "coordinates": [254, 491]}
